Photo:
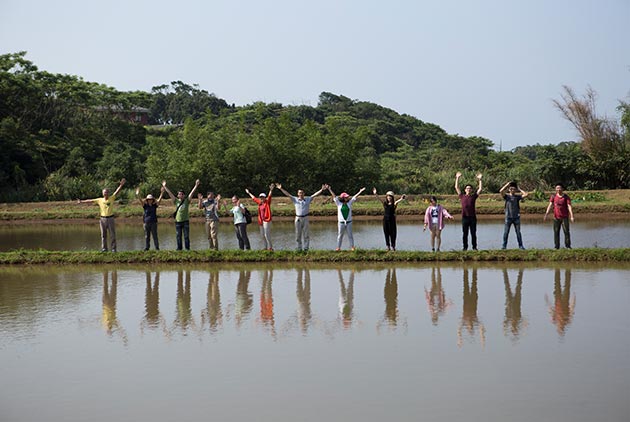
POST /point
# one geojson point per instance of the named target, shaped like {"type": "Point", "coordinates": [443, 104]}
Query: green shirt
{"type": "Point", "coordinates": [182, 212]}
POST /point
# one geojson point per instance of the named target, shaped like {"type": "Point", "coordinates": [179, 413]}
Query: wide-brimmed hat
{"type": "Point", "coordinates": [149, 196]}
{"type": "Point", "coordinates": [263, 195]}
{"type": "Point", "coordinates": [344, 195]}
{"type": "Point", "coordinates": [389, 193]}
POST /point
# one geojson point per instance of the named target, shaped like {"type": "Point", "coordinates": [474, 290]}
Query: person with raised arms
{"type": "Point", "coordinates": [182, 220]}
{"type": "Point", "coordinates": [469, 214]}
{"type": "Point", "coordinates": [149, 219]}
{"type": "Point", "coordinates": [344, 216]}
{"type": "Point", "coordinates": [107, 221]}
{"type": "Point", "coordinates": [302, 205]}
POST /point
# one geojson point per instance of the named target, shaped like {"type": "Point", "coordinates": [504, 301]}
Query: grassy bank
{"type": "Point", "coordinates": [588, 202]}
{"type": "Point", "coordinates": [22, 257]}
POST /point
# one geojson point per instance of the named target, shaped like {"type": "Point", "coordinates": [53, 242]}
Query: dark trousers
{"type": "Point", "coordinates": [517, 228]}
{"type": "Point", "coordinates": [469, 224]}
{"type": "Point", "coordinates": [564, 222]}
{"type": "Point", "coordinates": [185, 227]}
{"type": "Point", "coordinates": [150, 229]}
{"type": "Point", "coordinates": [389, 229]}
{"type": "Point", "coordinates": [241, 235]}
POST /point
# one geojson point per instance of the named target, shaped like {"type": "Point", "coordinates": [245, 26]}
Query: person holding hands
{"type": "Point", "coordinates": [264, 215]}
{"type": "Point", "coordinates": [149, 219]}
{"type": "Point", "coordinates": [182, 221]}
{"type": "Point", "coordinates": [344, 216]}
{"type": "Point", "coordinates": [302, 208]}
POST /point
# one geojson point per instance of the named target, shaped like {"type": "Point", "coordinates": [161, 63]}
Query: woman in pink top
{"type": "Point", "coordinates": [434, 220]}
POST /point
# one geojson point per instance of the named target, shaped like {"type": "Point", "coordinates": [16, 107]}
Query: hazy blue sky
{"type": "Point", "coordinates": [489, 68]}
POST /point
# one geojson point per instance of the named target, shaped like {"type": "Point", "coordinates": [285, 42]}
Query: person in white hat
{"type": "Point", "coordinates": [389, 217]}
{"type": "Point", "coordinates": [264, 215]}
{"type": "Point", "coordinates": [149, 219]}
{"type": "Point", "coordinates": [344, 216]}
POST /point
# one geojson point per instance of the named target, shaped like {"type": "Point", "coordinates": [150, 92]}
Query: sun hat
{"type": "Point", "coordinates": [262, 195]}
{"type": "Point", "coordinates": [389, 193]}
{"type": "Point", "coordinates": [344, 195]}
{"type": "Point", "coordinates": [149, 196]}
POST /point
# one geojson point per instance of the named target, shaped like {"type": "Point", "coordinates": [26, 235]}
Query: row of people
{"type": "Point", "coordinates": [434, 217]}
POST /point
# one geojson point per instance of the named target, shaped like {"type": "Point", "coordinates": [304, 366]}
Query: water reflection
{"type": "Point", "coordinates": [213, 315]}
{"type": "Point", "coordinates": [183, 311]}
{"type": "Point", "coordinates": [266, 302]}
{"type": "Point", "coordinates": [153, 319]}
{"type": "Point", "coordinates": [303, 294]}
{"type": "Point", "coordinates": [436, 297]}
{"type": "Point", "coordinates": [244, 298]}
{"type": "Point", "coordinates": [513, 321]}
{"type": "Point", "coordinates": [470, 321]}
{"type": "Point", "coordinates": [563, 306]}
{"type": "Point", "coordinates": [109, 319]}
{"type": "Point", "coordinates": [346, 299]}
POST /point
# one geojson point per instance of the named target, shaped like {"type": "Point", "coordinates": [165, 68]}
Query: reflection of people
{"type": "Point", "coordinates": [469, 215]}
{"type": "Point", "coordinates": [512, 211]}
{"type": "Point", "coordinates": [434, 219]}
{"type": "Point", "coordinates": [303, 293]}
{"type": "Point", "coordinates": [183, 314]}
{"type": "Point", "coordinates": [390, 294]}
{"type": "Point", "coordinates": [211, 209]}
{"type": "Point", "coordinates": [436, 297]}
{"type": "Point", "coordinates": [264, 215]}
{"type": "Point", "coordinates": [389, 217]}
{"type": "Point", "coordinates": [563, 308]}
{"type": "Point", "coordinates": [266, 301]}
{"type": "Point", "coordinates": [513, 320]}
{"type": "Point", "coordinates": [470, 320]}
{"type": "Point", "coordinates": [213, 313]}
{"type": "Point", "coordinates": [346, 299]}
{"type": "Point", "coordinates": [107, 222]}
{"type": "Point", "coordinates": [109, 318]}
{"type": "Point", "coordinates": [244, 298]}
{"type": "Point", "coordinates": [344, 216]}
{"type": "Point", "coordinates": [562, 211]}
{"type": "Point", "coordinates": [182, 222]}
{"type": "Point", "coordinates": [302, 207]}
{"type": "Point", "coordinates": [152, 300]}
{"type": "Point", "coordinates": [150, 219]}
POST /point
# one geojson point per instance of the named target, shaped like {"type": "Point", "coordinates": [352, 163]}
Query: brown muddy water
{"type": "Point", "coordinates": [368, 234]}
{"type": "Point", "coordinates": [239, 342]}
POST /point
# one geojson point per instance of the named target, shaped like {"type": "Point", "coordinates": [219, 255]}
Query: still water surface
{"type": "Point", "coordinates": [368, 234]}
{"type": "Point", "coordinates": [311, 343]}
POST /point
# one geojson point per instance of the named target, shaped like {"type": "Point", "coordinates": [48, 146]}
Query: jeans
{"type": "Point", "coordinates": [564, 222]}
{"type": "Point", "coordinates": [241, 235]}
{"type": "Point", "coordinates": [185, 227]}
{"type": "Point", "coordinates": [469, 223]}
{"type": "Point", "coordinates": [150, 229]}
{"type": "Point", "coordinates": [517, 227]}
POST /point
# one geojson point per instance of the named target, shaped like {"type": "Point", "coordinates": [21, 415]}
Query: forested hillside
{"type": "Point", "coordinates": [63, 138]}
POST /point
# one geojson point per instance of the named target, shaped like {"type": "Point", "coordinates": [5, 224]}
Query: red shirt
{"type": "Point", "coordinates": [264, 210]}
{"type": "Point", "coordinates": [560, 205]}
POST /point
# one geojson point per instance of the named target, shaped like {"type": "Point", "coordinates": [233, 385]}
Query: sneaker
{"type": "Point", "coordinates": [103, 250]}
{"type": "Point", "coordinates": [438, 249]}
{"type": "Point", "coordinates": [337, 249]}
{"type": "Point", "coordinates": [522, 248]}
{"type": "Point", "coordinates": [474, 249]}
{"type": "Point", "coordinates": [353, 248]}
{"type": "Point", "coordinates": [432, 249]}
{"type": "Point", "coordinates": [503, 247]}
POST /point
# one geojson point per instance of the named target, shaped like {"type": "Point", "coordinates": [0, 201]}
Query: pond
{"type": "Point", "coordinates": [368, 234]}
{"type": "Point", "coordinates": [238, 342]}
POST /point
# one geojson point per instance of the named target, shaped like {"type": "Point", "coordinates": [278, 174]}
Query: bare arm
{"type": "Point", "coordinates": [319, 191]}
{"type": "Point", "coordinates": [161, 195]}
{"type": "Point", "coordinates": [122, 182]}
{"type": "Point", "coordinates": [85, 201]}
{"type": "Point", "coordinates": [271, 186]}
{"type": "Point", "coordinates": [331, 192]}
{"type": "Point", "coordinates": [570, 212]}
{"type": "Point", "coordinates": [168, 191]}
{"type": "Point", "coordinates": [249, 193]}
{"type": "Point", "coordinates": [457, 176]}
{"type": "Point", "coordinates": [138, 198]}
{"type": "Point", "coordinates": [192, 192]}
{"type": "Point", "coordinates": [523, 193]}
{"type": "Point", "coordinates": [283, 190]}
{"type": "Point", "coordinates": [356, 195]}
{"type": "Point", "coordinates": [376, 194]}
{"type": "Point", "coordinates": [502, 190]}
{"type": "Point", "coordinates": [200, 201]}
{"type": "Point", "coordinates": [548, 209]}
{"type": "Point", "coordinates": [402, 198]}
{"type": "Point", "coordinates": [479, 188]}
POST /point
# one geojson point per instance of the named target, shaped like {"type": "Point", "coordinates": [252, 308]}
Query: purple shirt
{"type": "Point", "coordinates": [468, 204]}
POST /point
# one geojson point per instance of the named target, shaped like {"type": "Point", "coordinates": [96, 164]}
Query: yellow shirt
{"type": "Point", "coordinates": [106, 206]}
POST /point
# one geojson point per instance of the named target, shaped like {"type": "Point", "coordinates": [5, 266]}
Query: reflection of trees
{"type": "Point", "coordinates": [109, 319]}
{"type": "Point", "coordinates": [470, 321]}
{"type": "Point", "coordinates": [244, 298]}
{"type": "Point", "coordinates": [436, 297]}
{"type": "Point", "coordinates": [303, 294]}
{"type": "Point", "coordinates": [513, 321]}
{"type": "Point", "coordinates": [346, 299]}
{"type": "Point", "coordinates": [213, 314]}
{"type": "Point", "coordinates": [183, 311]}
{"type": "Point", "coordinates": [563, 308]}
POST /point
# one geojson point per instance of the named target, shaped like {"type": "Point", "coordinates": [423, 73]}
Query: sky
{"type": "Point", "coordinates": [487, 68]}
